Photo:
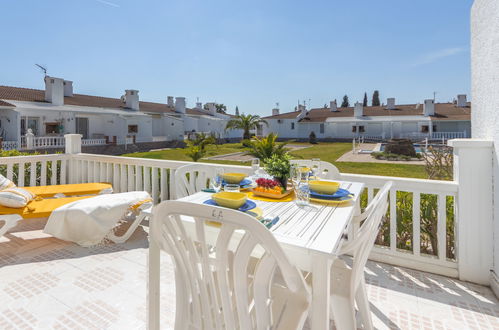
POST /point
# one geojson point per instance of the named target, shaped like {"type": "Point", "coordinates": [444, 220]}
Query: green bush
{"type": "Point", "coordinates": [312, 138]}
{"type": "Point", "coordinates": [246, 143]}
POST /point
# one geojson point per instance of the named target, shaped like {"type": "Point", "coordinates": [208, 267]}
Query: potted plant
{"type": "Point", "coordinates": [279, 167]}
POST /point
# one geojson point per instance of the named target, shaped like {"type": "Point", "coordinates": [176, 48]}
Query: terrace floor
{"type": "Point", "coordinates": [49, 283]}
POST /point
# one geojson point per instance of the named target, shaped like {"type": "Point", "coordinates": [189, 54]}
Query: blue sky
{"type": "Point", "coordinates": [246, 53]}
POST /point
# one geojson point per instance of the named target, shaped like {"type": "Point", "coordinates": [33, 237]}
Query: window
{"type": "Point", "coordinates": [52, 128]}
{"type": "Point", "coordinates": [362, 129]}
{"type": "Point", "coordinates": [133, 129]}
{"type": "Point", "coordinates": [29, 122]}
{"type": "Point", "coordinates": [354, 129]}
{"type": "Point", "coordinates": [292, 125]}
{"type": "Point", "coordinates": [279, 121]}
{"type": "Point", "coordinates": [425, 129]}
{"type": "Point", "coordinates": [321, 129]}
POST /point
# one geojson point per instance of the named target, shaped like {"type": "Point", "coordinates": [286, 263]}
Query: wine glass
{"type": "Point", "coordinates": [216, 181]}
{"type": "Point", "coordinates": [255, 164]}
{"type": "Point", "coordinates": [316, 167]}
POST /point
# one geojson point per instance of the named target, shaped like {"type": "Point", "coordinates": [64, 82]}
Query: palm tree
{"type": "Point", "coordinates": [246, 123]}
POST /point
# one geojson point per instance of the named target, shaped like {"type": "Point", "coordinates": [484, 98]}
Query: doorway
{"type": "Point", "coordinates": [82, 127]}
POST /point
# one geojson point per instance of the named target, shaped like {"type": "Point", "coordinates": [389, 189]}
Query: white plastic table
{"type": "Point", "coordinates": [310, 236]}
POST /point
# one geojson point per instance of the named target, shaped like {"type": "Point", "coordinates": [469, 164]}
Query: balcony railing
{"type": "Point", "coordinates": [418, 232]}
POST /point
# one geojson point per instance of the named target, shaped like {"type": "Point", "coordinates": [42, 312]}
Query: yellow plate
{"type": "Point", "coordinates": [331, 202]}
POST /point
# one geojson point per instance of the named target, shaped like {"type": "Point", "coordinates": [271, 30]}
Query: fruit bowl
{"type": "Point", "coordinates": [233, 178]}
{"type": "Point", "coordinates": [233, 200]}
{"type": "Point", "coordinates": [324, 187]}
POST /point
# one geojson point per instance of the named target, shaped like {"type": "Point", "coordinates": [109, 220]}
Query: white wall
{"type": "Point", "coordinates": [485, 87]}
{"type": "Point", "coordinates": [9, 129]}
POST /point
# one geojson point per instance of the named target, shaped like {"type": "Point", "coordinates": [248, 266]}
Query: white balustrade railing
{"type": "Point", "coordinates": [93, 142]}
{"type": "Point", "coordinates": [10, 145]}
{"type": "Point", "coordinates": [419, 233]}
{"type": "Point", "coordinates": [130, 174]}
{"type": "Point", "coordinates": [421, 214]}
{"type": "Point", "coordinates": [449, 135]}
{"type": "Point", "coordinates": [49, 142]}
{"type": "Point", "coordinates": [36, 170]}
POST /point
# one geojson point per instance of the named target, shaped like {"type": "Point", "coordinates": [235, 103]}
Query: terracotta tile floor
{"type": "Point", "coordinates": [49, 283]}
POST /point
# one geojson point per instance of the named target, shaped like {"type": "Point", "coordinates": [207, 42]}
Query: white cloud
{"type": "Point", "coordinates": [438, 55]}
{"type": "Point", "coordinates": [112, 4]}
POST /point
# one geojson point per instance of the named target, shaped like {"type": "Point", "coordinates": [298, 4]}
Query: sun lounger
{"type": "Point", "coordinates": [43, 208]}
{"type": "Point", "coordinates": [35, 209]}
{"type": "Point", "coordinates": [78, 189]}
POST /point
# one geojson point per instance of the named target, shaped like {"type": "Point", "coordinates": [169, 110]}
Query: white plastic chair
{"type": "Point", "coordinates": [218, 285]}
{"type": "Point", "coordinates": [329, 171]}
{"type": "Point", "coordinates": [190, 179]}
{"type": "Point", "coordinates": [348, 282]}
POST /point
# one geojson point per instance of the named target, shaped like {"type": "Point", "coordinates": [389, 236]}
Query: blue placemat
{"type": "Point", "coordinates": [249, 205]}
{"type": "Point", "coordinates": [341, 193]}
{"type": "Point", "coordinates": [243, 183]}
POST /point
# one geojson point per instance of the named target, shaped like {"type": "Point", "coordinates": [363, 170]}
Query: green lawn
{"type": "Point", "coordinates": [329, 152]}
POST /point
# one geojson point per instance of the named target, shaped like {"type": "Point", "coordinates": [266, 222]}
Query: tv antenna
{"type": "Point", "coordinates": [44, 69]}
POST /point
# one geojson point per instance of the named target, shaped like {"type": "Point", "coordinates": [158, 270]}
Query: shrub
{"type": "Point", "coordinates": [312, 139]}
{"type": "Point", "coordinates": [246, 143]}
{"type": "Point", "coordinates": [263, 148]}
{"type": "Point", "coordinates": [195, 152]}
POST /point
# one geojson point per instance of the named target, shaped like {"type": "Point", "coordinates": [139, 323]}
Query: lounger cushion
{"type": "Point", "coordinates": [5, 183]}
{"type": "Point", "coordinates": [15, 197]}
{"type": "Point", "coordinates": [40, 208]}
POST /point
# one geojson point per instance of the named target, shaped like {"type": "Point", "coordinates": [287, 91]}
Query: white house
{"type": "Point", "coordinates": [56, 111]}
{"type": "Point", "coordinates": [432, 120]}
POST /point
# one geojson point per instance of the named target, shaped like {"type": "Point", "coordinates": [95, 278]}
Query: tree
{"type": "Point", "coordinates": [221, 108]}
{"type": "Point", "coordinates": [365, 100]}
{"type": "Point", "coordinates": [345, 102]}
{"type": "Point", "coordinates": [263, 148]}
{"type": "Point", "coordinates": [246, 123]}
{"type": "Point", "coordinates": [237, 111]}
{"type": "Point", "coordinates": [376, 102]}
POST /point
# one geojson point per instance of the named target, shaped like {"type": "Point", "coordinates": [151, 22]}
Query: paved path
{"type": "Point", "coordinates": [367, 158]}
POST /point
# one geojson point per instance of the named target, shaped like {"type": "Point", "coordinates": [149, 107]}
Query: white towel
{"type": "Point", "coordinates": [88, 221]}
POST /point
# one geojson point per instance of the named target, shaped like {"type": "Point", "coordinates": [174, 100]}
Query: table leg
{"type": "Point", "coordinates": [153, 284]}
{"type": "Point", "coordinates": [321, 292]}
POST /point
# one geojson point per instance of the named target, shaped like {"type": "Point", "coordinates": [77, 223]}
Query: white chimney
{"type": "Point", "coordinates": [429, 107]}
{"type": "Point", "coordinates": [132, 99]}
{"type": "Point", "coordinates": [333, 106]}
{"type": "Point", "coordinates": [169, 101]}
{"type": "Point", "coordinates": [199, 105]}
{"type": "Point", "coordinates": [68, 88]}
{"type": "Point", "coordinates": [390, 103]}
{"type": "Point", "coordinates": [180, 104]}
{"type": "Point", "coordinates": [358, 110]}
{"type": "Point", "coordinates": [54, 90]}
{"type": "Point", "coordinates": [275, 111]}
{"type": "Point", "coordinates": [212, 109]}
{"type": "Point", "coordinates": [461, 101]}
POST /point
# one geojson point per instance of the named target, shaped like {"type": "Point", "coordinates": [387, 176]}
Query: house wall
{"type": "Point", "coordinates": [9, 129]}
{"type": "Point", "coordinates": [485, 87]}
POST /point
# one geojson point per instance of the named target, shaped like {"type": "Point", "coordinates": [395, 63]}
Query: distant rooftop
{"type": "Point", "coordinates": [38, 95]}
{"type": "Point", "coordinates": [443, 111]}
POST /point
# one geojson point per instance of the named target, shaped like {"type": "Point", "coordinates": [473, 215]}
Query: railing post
{"type": "Point", "coordinates": [73, 146]}
{"type": "Point", "coordinates": [474, 226]}
{"type": "Point", "coordinates": [30, 139]}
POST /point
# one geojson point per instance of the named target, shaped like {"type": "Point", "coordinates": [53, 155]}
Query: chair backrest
{"type": "Point", "coordinates": [361, 245]}
{"type": "Point", "coordinates": [328, 170]}
{"type": "Point", "coordinates": [222, 286]}
{"type": "Point", "coordinates": [190, 179]}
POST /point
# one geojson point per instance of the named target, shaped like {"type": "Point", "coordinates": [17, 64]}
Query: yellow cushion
{"type": "Point", "coordinates": [40, 208]}
{"type": "Point", "coordinates": [77, 189]}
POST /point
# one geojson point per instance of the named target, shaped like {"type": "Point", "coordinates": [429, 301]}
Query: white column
{"type": "Point", "coordinates": [73, 143]}
{"type": "Point", "coordinates": [73, 146]}
{"type": "Point", "coordinates": [474, 225]}
{"type": "Point", "coordinates": [30, 139]}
